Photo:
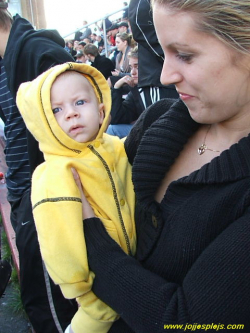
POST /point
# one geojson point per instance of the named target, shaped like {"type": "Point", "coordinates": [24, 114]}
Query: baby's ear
{"type": "Point", "coordinates": [101, 113]}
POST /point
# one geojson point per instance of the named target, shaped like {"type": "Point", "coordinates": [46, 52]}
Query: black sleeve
{"type": "Point", "coordinates": [141, 21]}
{"type": "Point", "coordinates": [150, 115]}
{"type": "Point", "coordinates": [150, 52]}
{"type": "Point", "coordinates": [123, 111]}
{"type": "Point", "coordinates": [216, 289]}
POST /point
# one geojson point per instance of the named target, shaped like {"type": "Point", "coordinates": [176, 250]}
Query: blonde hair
{"type": "Point", "coordinates": [133, 53]}
{"type": "Point", "coordinates": [228, 20]}
{"type": "Point", "coordinates": [124, 36]}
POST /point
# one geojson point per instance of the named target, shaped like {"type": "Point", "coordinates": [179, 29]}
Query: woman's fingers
{"type": "Point", "coordinates": [87, 210]}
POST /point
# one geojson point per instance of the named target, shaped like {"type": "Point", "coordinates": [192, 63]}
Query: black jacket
{"type": "Point", "coordinates": [104, 65]}
{"type": "Point", "coordinates": [29, 53]}
{"type": "Point", "coordinates": [151, 56]}
{"type": "Point", "coordinates": [128, 110]}
{"type": "Point", "coordinates": [192, 263]}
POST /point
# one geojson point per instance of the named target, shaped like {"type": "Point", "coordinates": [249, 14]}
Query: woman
{"type": "Point", "coordinates": [123, 44]}
{"type": "Point", "coordinates": [71, 47]}
{"type": "Point", "coordinates": [191, 174]}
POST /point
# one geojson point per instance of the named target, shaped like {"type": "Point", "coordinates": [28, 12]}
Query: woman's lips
{"type": "Point", "coordinates": [185, 97]}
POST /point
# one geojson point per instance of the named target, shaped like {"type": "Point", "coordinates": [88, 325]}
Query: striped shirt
{"type": "Point", "coordinates": [16, 153]}
{"type": "Point", "coordinates": [150, 95]}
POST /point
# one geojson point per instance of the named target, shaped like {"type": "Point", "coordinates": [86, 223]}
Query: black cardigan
{"type": "Point", "coordinates": [192, 263]}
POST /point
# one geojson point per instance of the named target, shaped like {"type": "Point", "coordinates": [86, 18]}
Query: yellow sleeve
{"type": "Point", "coordinates": [82, 323]}
{"type": "Point", "coordinates": [57, 213]}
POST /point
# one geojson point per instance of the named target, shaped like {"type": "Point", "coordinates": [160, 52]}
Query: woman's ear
{"type": "Point", "coordinates": [101, 113]}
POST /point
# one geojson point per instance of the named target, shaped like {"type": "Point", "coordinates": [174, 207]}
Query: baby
{"type": "Point", "coordinates": [67, 110]}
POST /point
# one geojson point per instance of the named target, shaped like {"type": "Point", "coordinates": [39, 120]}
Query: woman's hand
{"type": "Point", "coordinates": [124, 80]}
{"type": "Point", "coordinates": [87, 210]}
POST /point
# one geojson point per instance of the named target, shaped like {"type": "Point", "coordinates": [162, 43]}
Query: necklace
{"type": "Point", "coordinates": [203, 147]}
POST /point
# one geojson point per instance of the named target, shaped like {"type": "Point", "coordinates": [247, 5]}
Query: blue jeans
{"type": "Point", "coordinates": [120, 130]}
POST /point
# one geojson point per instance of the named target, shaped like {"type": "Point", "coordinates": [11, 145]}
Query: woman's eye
{"type": "Point", "coordinates": [80, 102]}
{"type": "Point", "coordinates": [55, 110]}
{"type": "Point", "coordinates": [184, 57]}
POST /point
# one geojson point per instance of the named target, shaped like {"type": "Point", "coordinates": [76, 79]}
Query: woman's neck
{"type": "Point", "coordinates": [4, 36]}
{"type": "Point", "coordinates": [124, 50]}
{"type": "Point", "coordinates": [223, 135]}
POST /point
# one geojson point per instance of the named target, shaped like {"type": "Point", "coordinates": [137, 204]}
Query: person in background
{"type": "Point", "coordinates": [94, 39]}
{"type": "Point", "coordinates": [87, 40]}
{"type": "Point", "coordinates": [26, 53]}
{"type": "Point", "coordinates": [81, 46]}
{"type": "Point", "coordinates": [81, 57]}
{"type": "Point", "coordinates": [72, 105]}
{"type": "Point", "coordinates": [81, 35]}
{"type": "Point", "coordinates": [75, 46]}
{"type": "Point", "coordinates": [125, 12]}
{"type": "Point", "coordinates": [123, 43]}
{"type": "Point", "coordinates": [69, 47]}
{"type": "Point", "coordinates": [100, 27]}
{"type": "Point", "coordinates": [100, 62]}
{"type": "Point", "coordinates": [111, 33]}
{"type": "Point", "coordinates": [191, 175]}
{"type": "Point", "coordinates": [149, 49]}
{"type": "Point", "coordinates": [123, 27]}
{"type": "Point", "coordinates": [100, 43]}
{"type": "Point", "coordinates": [125, 112]}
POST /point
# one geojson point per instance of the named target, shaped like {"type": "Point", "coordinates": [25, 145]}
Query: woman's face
{"type": "Point", "coordinates": [212, 79]}
{"type": "Point", "coordinates": [76, 44]}
{"type": "Point", "coordinates": [121, 45]}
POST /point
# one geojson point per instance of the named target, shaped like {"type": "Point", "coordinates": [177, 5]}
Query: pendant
{"type": "Point", "coordinates": [202, 149]}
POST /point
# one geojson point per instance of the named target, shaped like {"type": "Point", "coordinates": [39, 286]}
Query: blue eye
{"type": "Point", "coordinates": [56, 110]}
{"type": "Point", "coordinates": [184, 57]}
{"type": "Point", "coordinates": [80, 102]}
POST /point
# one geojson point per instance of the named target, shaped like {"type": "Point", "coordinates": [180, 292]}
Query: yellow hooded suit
{"type": "Point", "coordinates": [106, 176]}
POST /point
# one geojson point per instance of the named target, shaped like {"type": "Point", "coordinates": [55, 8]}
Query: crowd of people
{"type": "Point", "coordinates": [115, 64]}
{"type": "Point", "coordinates": [148, 233]}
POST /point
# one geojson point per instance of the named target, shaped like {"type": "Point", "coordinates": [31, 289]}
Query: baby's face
{"type": "Point", "coordinates": [75, 106]}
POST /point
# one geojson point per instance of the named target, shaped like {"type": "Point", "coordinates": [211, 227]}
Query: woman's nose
{"type": "Point", "coordinates": [170, 73]}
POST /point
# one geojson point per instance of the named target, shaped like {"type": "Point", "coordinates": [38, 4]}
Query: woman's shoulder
{"type": "Point", "coordinates": [147, 118]}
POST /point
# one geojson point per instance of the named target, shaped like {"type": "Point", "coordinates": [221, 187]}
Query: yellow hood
{"type": "Point", "coordinates": [33, 101]}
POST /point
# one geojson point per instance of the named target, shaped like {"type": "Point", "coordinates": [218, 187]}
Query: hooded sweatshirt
{"type": "Point", "coordinates": [106, 177]}
{"type": "Point", "coordinates": [29, 53]}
